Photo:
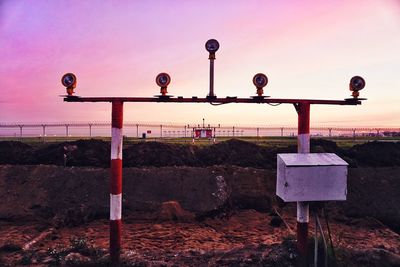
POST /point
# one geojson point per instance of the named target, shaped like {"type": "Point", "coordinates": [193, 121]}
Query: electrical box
{"type": "Point", "coordinates": [311, 177]}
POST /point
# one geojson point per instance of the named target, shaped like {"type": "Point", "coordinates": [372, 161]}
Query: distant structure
{"type": "Point", "coordinates": [204, 132]}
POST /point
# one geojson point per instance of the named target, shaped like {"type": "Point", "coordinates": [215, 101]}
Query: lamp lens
{"type": "Point", "coordinates": [260, 80]}
{"type": "Point", "coordinates": [357, 83]}
{"type": "Point", "coordinates": [212, 46]}
{"type": "Point", "coordinates": [68, 80]}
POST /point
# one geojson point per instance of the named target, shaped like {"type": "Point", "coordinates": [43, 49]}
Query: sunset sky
{"type": "Point", "coordinates": [308, 49]}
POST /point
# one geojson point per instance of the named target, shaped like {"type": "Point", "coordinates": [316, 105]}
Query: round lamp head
{"type": "Point", "coordinates": [212, 46]}
{"type": "Point", "coordinates": [260, 80]}
{"type": "Point", "coordinates": [163, 79]}
{"type": "Point", "coordinates": [69, 80]}
{"type": "Point", "coordinates": [357, 83]}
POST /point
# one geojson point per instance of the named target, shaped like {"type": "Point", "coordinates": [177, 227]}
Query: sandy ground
{"type": "Point", "coordinates": [168, 242]}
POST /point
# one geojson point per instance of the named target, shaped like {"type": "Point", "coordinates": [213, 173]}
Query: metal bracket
{"type": "Point", "coordinates": [296, 106]}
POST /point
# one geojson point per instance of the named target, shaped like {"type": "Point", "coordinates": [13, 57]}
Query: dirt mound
{"type": "Point", "coordinates": [159, 154]}
{"type": "Point", "coordinates": [71, 196]}
{"type": "Point", "coordinates": [78, 153]}
{"type": "Point", "coordinates": [376, 154]}
{"type": "Point", "coordinates": [374, 192]}
{"type": "Point", "coordinates": [232, 152]}
{"type": "Point", "coordinates": [172, 211]}
{"type": "Point", "coordinates": [13, 152]}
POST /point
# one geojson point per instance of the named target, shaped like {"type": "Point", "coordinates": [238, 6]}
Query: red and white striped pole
{"type": "Point", "coordinates": [116, 181]}
{"type": "Point", "coordinates": [303, 146]}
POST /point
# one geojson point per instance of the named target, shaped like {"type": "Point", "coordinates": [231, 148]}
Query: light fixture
{"type": "Point", "coordinates": [357, 83]}
{"type": "Point", "coordinates": [260, 80]}
{"type": "Point", "coordinates": [162, 80]}
{"type": "Point", "coordinates": [69, 81]}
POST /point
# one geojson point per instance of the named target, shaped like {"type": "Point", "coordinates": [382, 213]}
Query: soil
{"type": "Point", "coordinates": [96, 153]}
{"type": "Point", "coordinates": [181, 210]}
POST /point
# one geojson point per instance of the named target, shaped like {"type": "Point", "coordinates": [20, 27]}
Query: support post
{"type": "Point", "coordinates": [20, 131]}
{"type": "Point", "coordinates": [116, 182]}
{"type": "Point", "coordinates": [214, 136]}
{"type": "Point", "coordinates": [137, 130]}
{"type": "Point", "coordinates": [281, 131]}
{"type": "Point", "coordinates": [211, 93]}
{"type": "Point", "coordinates": [258, 132]}
{"type": "Point", "coordinates": [90, 129]}
{"type": "Point", "coordinates": [44, 132]}
{"type": "Point", "coordinates": [303, 146]}
{"type": "Point", "coordinates": [160, 131]}
{"type": "Point", "coordinates": [233, 131]}
{"type": "Point", "coordinates": [66, 130]}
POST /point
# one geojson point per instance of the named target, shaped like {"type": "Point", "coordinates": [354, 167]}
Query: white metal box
{"type": "Point", "coordinates": [311, 177]}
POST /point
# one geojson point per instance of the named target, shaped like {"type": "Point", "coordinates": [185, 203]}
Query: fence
{"type": "Point", "coordinates": [102, 129]}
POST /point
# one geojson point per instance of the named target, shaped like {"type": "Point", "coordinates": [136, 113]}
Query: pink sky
{"type": "Point", "coordinates": [308, 49]}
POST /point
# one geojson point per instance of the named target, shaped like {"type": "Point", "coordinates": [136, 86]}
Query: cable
{"type": "Point", "coordinates": [274, 105]}
{"type": "Point", "coordinates": [329, 234]}
{"type": "Point", "coordinates": [323, 238]}
{"type": "Point", "coordinates": [218, 104]}
{"type": "Point", "coordinates": [315, 241]}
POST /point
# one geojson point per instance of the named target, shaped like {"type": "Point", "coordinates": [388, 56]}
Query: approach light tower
{"type": "Point", "coordinates": [260, 80]}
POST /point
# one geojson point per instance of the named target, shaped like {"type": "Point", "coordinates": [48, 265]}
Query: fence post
{"type": "Point", "coordinates": [20, 131]}
{"type": "Point", "coordinates": [44, 131]}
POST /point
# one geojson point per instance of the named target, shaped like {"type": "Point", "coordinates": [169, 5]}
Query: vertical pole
{"type": "Point", "coordinates": [44, 131]}
{"type": "Point", "coordinates": [211, 94]}
{"type": "Point", "coordinates": [282, 131]}
{"type": "Point", "coordinates": [137, 130]}
{"type": "Point", "coordinates": [303, 146]}
{"type": "Point", "coordinates": [20, 131]}
{"type": "Point", "coordinates": [90, 130]}
{"type": "Point", "coordinates": [116, 181]}
{"type": "Point", "coordinates": [330, 132]}
{"type": "Point", "coordinates": [161, 131]}
{"type": "Point", "coordinates": [233, 131]}
{"type": "Point", "coordinates": [214, 136]}
{"type": "Point", "coordinates": [66, 130]}
{"type": "Point", "coordinates": [258, 132]}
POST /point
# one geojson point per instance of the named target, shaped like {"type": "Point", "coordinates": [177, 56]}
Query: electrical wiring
{"type": "Point", "coordinates": [274, 105]}
{"type": "Point", "coordinates": [219, 104]}
{"type": "Point", "coordinates": [323, 238]}
{"type": "Point", "coordinates": [329, 234]}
